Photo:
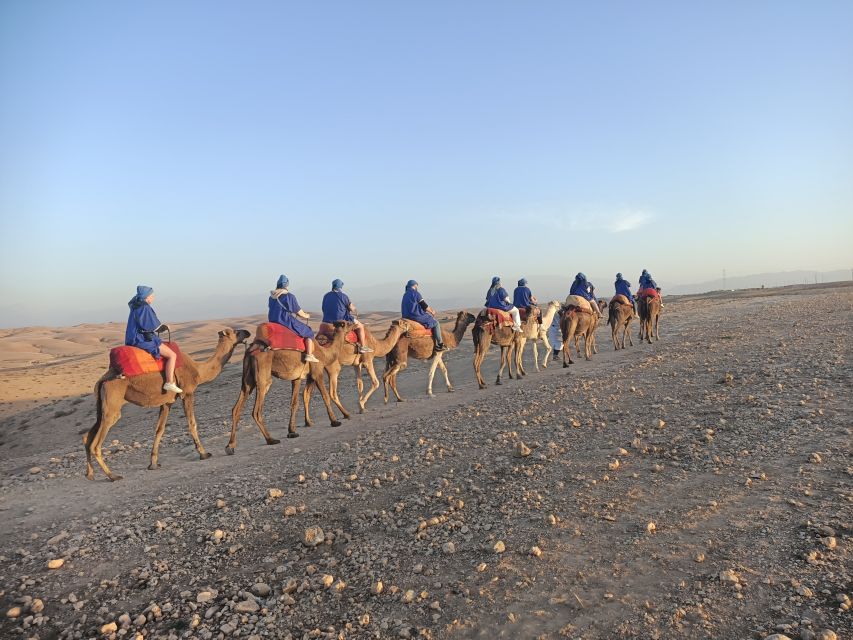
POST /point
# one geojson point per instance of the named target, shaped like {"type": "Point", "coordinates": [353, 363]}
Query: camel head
{"type": "Point", "coordinates": [402, 323]}
{"type": "Point", "coordinates": [554, 304]}
{"type": "Point", "coordinates": [235, 337]}
{"type": "Point", "coordinates": [465, 318]}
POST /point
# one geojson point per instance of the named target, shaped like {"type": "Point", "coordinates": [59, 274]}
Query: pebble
{"type": "Point", "coordinates": [409, 596]}
{"type": "Point", "coordinates": [217, 535]}
{"type": "Point", "coordinates": [481, 567]}
{"type": "Point", "coordinates": [35, 470]}
{"type": "Point", "coordinates": [290, 510]}
{"type": "Point", "coordinates": [536, 552]}
{"type": "Point", "coordinates": [364, 620]}
{"type": "Point", "coordinates": [56, 563]}
{"type": "Point", "coordinates": [815, 458]}
{"type": "Point", "coordinates": [777, 636]}
{"type": "Point", "coordinates": [110, 627]}
{"type": "Point", "coordinates": [522, 450]}
{"type": "Point", "coordinates": [14, 612]}
{"type": "Point", "coordinates": [651, 527]}
{"type": "Point", "coordinates": [377, 587]}
{"type": "Point", "coordinates": [204, 596]}
{"type": "Point", "coordinates": [826, 634]}
{"type": "Point", "coordinates": [37, 606]}
{"type": "Point", "coordinates": [274, 493]}
{"type": "Point", "coordinates": [729, 576]}
{"type": "Point", "coordinates": [829, 542]}
{"type": "Point", "coordinates": [261, 589]}
{"type": "Point", "coordinates": [448, 547]}
{"type": "Point", "coordinates": [499, 547]}
{"type": "Point", "coordinates": [247, 606]}
{"type": "Point", "coordinates": [313, 536]}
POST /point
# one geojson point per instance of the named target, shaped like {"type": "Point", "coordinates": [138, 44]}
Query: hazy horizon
{"type": "Point", "coordinates": [205, 148]}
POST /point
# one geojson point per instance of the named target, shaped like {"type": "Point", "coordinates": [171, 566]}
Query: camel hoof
{"type": "Point", "coordinates": [205, 455]}
{"type": "Point", "coordinates": [229, 451]}
{"type": "Point", "coordinates": [565, 366]}
{"type": "Point", "coordinates": [336, 423]}
{"type": "Point", "coordinates": [450, 390]}
{"type": "Point", "coordinates": [401, 399]}
{"type": "Point", "coordinates": [114, 478]}
{"type": "Point", "coordinates": [292, 435]}
{"type": "Point", "coordinates": [153, 467]}
{"type": "Point", "coordinates": [276, 441]}
{"type": "Point", "coordinates": [498, 382]}
{"type": "Point", "coordinates": [90, 475]}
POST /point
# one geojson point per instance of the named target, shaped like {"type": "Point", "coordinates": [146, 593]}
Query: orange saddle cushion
{"type": "Point", "coordinates": [326, 333]}
{"type": "Point", "coordinates": [133, 361]}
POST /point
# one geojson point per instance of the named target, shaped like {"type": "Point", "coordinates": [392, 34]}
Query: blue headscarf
{"type": "Point", "coordinates": [142, 292]}
{"type": "Point", "coordinates": [496, 284]}
{"type": "Point", "coordinates": [282, 282]}
{"type": "Point", "coordinates": [411, 283]}
{"type": "Point", "coordinates": [337, 284]}
{"type": "Point", "coordinates": [522, 282]}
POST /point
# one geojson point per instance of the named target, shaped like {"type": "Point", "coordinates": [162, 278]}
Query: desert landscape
{"type": "Point", "coordinates": [697, 487]}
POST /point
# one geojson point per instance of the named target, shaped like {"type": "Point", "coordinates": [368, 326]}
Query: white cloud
{"type": "Point", "coordinates": [629, 220]}
{"type": "Point", "coordinates": [611, 220]}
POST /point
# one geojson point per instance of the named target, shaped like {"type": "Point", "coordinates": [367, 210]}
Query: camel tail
{"type": "Point", "coordinates": [99, 412]}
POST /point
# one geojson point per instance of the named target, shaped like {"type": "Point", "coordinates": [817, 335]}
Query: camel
{"type": "Point", "coordinates": [621, 313]}
{"type": "Point", "coordinates": [349, 355]}
{"type": "Point", "coordinates": [574, 323]}
{"type": "Point", "coordinates": [534, 331]}
{"type": "Point", "coordinates": [260, 367]}
{"type": "Point", "coordinates": [422, 348]}
{"type": "Point", "coordinates": [649, 312]}
{"type": "Point", "coordinates": [485, 333]}
{"type": "Point", "coordinates": [113, 390]}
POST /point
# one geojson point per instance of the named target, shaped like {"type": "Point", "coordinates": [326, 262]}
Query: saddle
{"type": "Point", "coordinates": [620, 299]}
{"type": "Point", "coordinates": [326, 333]}
{"type": "Point", "coordinates": [133, 361]}
{"type": "Point", "coordinates": [490, 319]}
{"type": "Point", "coordinates": [417, 330]}
{"type": "Point", "coordinates": [648, 293]}
{"type": "Point", "coordinates": [276, 336]}
{"type": "Point", "coordinates": [581, 303]}
{"type": "Point", "coordinates": [537, 313]}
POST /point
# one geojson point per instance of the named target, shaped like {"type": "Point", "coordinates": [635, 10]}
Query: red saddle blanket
{"type": "Point", "coordinates": [326, 333]}
{"type": "Point", "coordinates": [648, 293]}
{"type": "Point", "coordinates": [503, 318]}
{"type": "Point", "coordinates": [522, 311]}
{"type": "Point", "coordinates": [277, 336]}
{"type": "Point", "coordinates": [417, 330]}
{"type": "Point", "coordinates": [133, 361]}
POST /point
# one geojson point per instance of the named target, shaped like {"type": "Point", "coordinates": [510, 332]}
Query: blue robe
{"type": "Point", "coordinates": [581, 288]}
{"type": "Point", "coordinates": [410, 308]}
{"type": "Point", "coordinates": [623, 287]}
{"type": "Point", "coordinates": [283, 310]}
{"type": "Point", "coordinates": [497, 300]}
{"type": "Point", "coordinates": [647, 282]}
{"type": "Point", "coordinates": [336, 307]}
{"type": "Point", "coordinates": [141, 324]}
{"type": "Point", "coordinates": [522, 297]}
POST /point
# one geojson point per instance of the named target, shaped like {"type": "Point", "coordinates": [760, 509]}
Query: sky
{"type": "Point", "coordinates": [204, 148]}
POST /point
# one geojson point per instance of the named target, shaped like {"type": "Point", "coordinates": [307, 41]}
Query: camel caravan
{"type": "Point", "coordinates": [151, 372]}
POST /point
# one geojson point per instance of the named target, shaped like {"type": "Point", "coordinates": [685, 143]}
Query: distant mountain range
{"type": "Point", "coordinates": [386, 296]}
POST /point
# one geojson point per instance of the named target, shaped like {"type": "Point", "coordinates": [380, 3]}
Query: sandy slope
{"type": "Point", "coordinates": [731, 435]}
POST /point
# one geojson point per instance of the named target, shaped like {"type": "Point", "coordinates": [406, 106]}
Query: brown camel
{"type": "Point", "coordinates": [648, 308]}
{"type": "Point", "coordinates": [259, 369]}
{"type": "Point", "coordinates": [485, 332]}
{"type": "Point", "coordinates": [536, 331]}
{"type": "Point", "coordinates": [113, 390]}
{"type": "Point", "coordinates": [620, 314]}
{"type": "Point", "coordinates": [575, 322]}
{"type": "Point", "coordinates": [422, 348]}
{"type": "Point", "coordinates": [349, 355]}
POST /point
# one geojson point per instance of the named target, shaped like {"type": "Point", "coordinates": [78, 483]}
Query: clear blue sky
{"type": "Point", "coordinates": [205, 147]}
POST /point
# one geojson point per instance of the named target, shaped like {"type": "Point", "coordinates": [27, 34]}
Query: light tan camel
{"type": "Point", "coordinates": [535, 331]}
{"type": "Point", "coordinates": [648, 308]}
{"type": "Point", "coordinates": [422, 348]}
{"type": "Point", "coordinates": [349, 355]}
{"type": "Point", "coordinates": [260, 367]}
{"type": "Point", "coordinates": [113, 390]}
{"type": "Point", "coordinates": [484, 334]}
{"type": "Point", "coordinates": [620, 314]}
{"type": "Point", "coordinates": [574, 323]}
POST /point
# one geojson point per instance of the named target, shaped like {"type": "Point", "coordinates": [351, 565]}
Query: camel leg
{"type": "Point", "coordinates": [189, 410]}
{"type": "Point", "coordinates": [359, 387]}
{"type": "Point", "coordinates": [627, 334]}
{"type": "Point", "coordinates": [247, 386]}
{"type": "Point", "coordinates": [548, 349]}
{"type": "Point", "coordinates": [324, 394]}
{"type": "Point", "coordinates": [108, 419]}
{"type": "Point", "coordinates": [158, 435]}
{"type": "Point", "coordinates": [374, 384]}
{"type": "Point", "coordinates": [503, 363]}
{"type": "Point", "coordinates": [657, 336]}
{"type": "Point", "coordinates": [294, 405]}
{"type": "Point", "coordinates": [433, 365]}
{"type": "Point", "coordinates": [481, 348]}
{"type": "Point", "coordinates": [333, 393]}
{"type": "Point", "coordinates": [258, 410]}
{"type": "Point", "coordinates": [444, 371]}
{"type": "Point", "coordinates": [389, 377]}
{"type": "Point", "coordinates": [536, 354]}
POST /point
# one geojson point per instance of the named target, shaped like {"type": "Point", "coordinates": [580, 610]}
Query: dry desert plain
{"type": "Point", "coordinates": [697, 487]}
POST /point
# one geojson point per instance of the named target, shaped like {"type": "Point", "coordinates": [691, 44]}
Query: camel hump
{"type": "Point", "coordinates": [580, 302]}
{"type": "Point", "coordinates": [619, 298]}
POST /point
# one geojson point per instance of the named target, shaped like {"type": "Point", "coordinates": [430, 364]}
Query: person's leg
{"type": "Point", "coordinates": [363, 347]}
{"type": "Point", "coordinates": [516, 319]}
{"type": "Point", "coordinates": [309, 351]}
{"type": "Point", "coordinates": [171, 359]}
{"type": "Point", "coordinates": [436, 335]}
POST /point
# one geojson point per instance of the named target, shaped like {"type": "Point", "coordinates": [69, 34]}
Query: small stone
{"type": "Point", "coordinates": [110, 627]}
{"type": "Point", "coordinates": [287, 600]}
{"type": "Point", "coordinates": [409, 596]}
{"type": "Point", "coordinates": [140, 620]}
{"type": "Point", "coordinates": [613, 465]}
{"type": "Point", "coordinates": [339, 586]}
{"type": "Point", "coordinates": [364, 620]}
{"type": "Point", "coordinates": [377, 587]}
{"type": "Point", "coordinates": [699, 557]}
{"type": "Point", "coordinates": [536, 552]}
{"type": "Point", "coordinates": [327, 580]}
{"type": "Point", "coordinates": [815, 458]}
{"type": "Point", "coordinates": [499, 547]}
{"type": "Point", "coordinates": [274, 493]}
{"type": "Point", "coordinates": [651, 527]}
{"type": "Point", "coordinates": [661, 424]}
{"type": "Point", "coordinates": [14, 612]}
{"type": "Point", "coordinates": [247, 606]}
{"type": "Point", "coordinates": [522, 450]}
{"type": "Point", "coordinates": [261, 589]}
{"type": "Point", "coordinates": [777, 636]}
{"type": "Point", "coordinates": [217, 535]}
{"type": "Point", "coordinates": [313, 536]}
{"type": "Point", "coordinates": [124, 620]}
{"type": "Point", "coordinates": [204, 596]}
{"type": "Point", "coordinates": [448, 547]}
{"type": "Point", "coordinates": [290, 510]}
{"type": "Point", "coordinates": [220, 504]}
{"type": "Point", "coordinates": [481, 567]}
{"type": "Point", "coordinates": [729, 576]}
{"type": "Point", "coordinates": [829, 542]}
{"type": "Point", "coordinates": [805, 592]}
{"type": "Point", "coordinates": [35, 470]}
{"type": "Point", "coordinates": [37, 606]}
{"type": "Point", "coordinates": [56, 563]}
{"type": "Point", "coordinates": [826, 634]}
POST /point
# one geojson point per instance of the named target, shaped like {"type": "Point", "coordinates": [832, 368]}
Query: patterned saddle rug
{"type": "Point", "coordinates": [326, 333]}
{"type": "Point", "coordinates": [133, 361]}
{"type": "Point", "coordinates": [277, 336]}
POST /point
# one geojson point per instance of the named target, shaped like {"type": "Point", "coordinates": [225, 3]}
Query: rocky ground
{"type": "Point", "coordinates": [698, 487]}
